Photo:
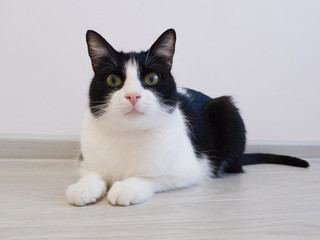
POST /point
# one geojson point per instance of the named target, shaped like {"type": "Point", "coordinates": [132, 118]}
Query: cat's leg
{"type": "Point", "coordinates": [88, 189]}
{"type": "Point", "coordinates": [136, 190]}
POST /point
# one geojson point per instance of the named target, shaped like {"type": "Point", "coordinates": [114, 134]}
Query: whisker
{"type": "Point", "coordinates": [105, 113]}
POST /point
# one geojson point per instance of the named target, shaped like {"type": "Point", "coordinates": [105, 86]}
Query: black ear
{"type": "Point", "coordinates": [99, 49]}
{"type": "Point", "coordinates": [164, 47]}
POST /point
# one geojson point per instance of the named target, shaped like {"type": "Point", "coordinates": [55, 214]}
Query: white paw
{"type": "Point", "coordinates": [87, 190]}
{"type": "Point", "coordinates": [129, 191]}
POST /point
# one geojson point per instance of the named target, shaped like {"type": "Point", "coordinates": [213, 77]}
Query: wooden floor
{"type": "Point", "coordinates": [266, 202]}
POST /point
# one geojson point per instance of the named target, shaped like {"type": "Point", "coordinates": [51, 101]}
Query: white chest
{"type": "Point", "coordinates": [118, 155]}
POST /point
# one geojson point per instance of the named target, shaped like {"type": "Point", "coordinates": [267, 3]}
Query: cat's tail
{"type": "Point", "coordinates": [259, 158]}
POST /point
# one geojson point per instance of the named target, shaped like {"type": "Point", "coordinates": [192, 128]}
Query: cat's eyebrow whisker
{"type": "Point", "coordinates": [110, 64]}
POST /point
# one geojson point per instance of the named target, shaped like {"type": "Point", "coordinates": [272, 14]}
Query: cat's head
{"type": "Point", "coordinates": [132, 90]}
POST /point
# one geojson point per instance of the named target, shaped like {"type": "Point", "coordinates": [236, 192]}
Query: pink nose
{"type": "Point", "coordinates": [133, 98]}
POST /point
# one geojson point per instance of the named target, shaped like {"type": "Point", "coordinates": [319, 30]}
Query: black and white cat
{"type": "Point", "coordinates": [142, 135]}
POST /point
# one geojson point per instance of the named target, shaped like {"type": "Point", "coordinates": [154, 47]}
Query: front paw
{"type": "Point", "coordinates": [87, 190]}
{"type": "Point", "coordinates": [129, 191]}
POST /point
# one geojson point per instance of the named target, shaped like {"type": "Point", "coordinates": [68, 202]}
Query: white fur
{"type": "Point", "coordinates": [182, 91]}
{"type": "Point", "coordinates": [137, 154]}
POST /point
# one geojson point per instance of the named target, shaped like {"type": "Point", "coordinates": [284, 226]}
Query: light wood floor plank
{"type": "Point", "coordinates": [266, 202]}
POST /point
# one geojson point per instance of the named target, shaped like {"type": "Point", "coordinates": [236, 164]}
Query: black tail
{"type": "Point", "coordinates": [258, 158]}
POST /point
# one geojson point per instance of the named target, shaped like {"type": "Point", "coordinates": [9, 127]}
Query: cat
{"type": "Point", "coordinates": [143, 135]}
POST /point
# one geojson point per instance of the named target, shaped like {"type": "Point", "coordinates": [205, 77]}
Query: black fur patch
{"type": "Point", "coordinates": [216, 130]}
{"type": "Point", "coordinates": [100, 92]}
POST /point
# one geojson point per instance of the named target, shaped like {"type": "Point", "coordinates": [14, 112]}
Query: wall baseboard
{"type": "Point", "coordinates": [39, 147]}
{"type": "Point", "coordinates": [68, 147]}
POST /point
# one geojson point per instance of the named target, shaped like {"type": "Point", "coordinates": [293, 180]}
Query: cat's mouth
{"type": "Point", "coordinates": [134, 113]}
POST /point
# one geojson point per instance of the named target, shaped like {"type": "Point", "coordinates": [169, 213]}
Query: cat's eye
{"type": "Point", "coordinates": [114, 80]}
{"type": "Point", "coordinates": [151, 79]}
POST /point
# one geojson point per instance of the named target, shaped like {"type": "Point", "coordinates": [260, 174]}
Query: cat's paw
{"type": "Point", "coordinates": [129, 191]}
{"type": "Point", "coordinates": [87, 190]}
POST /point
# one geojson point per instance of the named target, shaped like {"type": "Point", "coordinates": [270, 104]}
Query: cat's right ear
{"type": "Point", "coordinates": [99, 49]}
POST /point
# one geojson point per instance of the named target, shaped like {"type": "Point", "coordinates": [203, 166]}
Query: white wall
{"type": "Point", "coordinates": [264, 53]}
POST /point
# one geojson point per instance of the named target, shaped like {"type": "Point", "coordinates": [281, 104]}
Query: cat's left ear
{"type": "Point", "coordinates": [99, 49]}
{"type": "Point", "coordinates": [164, 47]}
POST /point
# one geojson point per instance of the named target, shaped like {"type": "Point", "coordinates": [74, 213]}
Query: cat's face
{"type": "Point", "coordinates": [132, 90]}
